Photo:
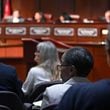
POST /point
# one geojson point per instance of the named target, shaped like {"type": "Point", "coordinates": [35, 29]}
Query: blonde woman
{"type": "Point", "coordinates": [46, 56]}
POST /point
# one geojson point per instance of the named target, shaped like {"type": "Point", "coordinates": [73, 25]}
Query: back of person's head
{"type": "Point", "coordinates": [87, 96]}
{"type": "Point", "coordinates": [80, 59]}
{"type": "Point", "coordinates": [48, 51]}
{"type": "Point", "coordinates": [49, 58]}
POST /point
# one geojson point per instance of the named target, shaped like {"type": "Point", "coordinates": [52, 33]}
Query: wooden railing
{"type": "Point", "coordinates": [62, 32]}
{"type": "Point", "coordinates": [19, 41]}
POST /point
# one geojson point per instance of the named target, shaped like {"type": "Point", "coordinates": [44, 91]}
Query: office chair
{"type": "Point", "coordinates": [3, 107]}
{"type": "Point", "coordinates": [11, 100]}
{"type": "Point", "coordinates": [37, 93]}
{"type": "Point", "coordinates": [50, 107]}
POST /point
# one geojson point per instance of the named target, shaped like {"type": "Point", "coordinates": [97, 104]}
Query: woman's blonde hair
{"type": "Point", "coordinates": [48, 57]}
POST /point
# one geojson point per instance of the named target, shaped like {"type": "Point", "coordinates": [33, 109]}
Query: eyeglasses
{"type": "Point", "coordinates": [60, 67]}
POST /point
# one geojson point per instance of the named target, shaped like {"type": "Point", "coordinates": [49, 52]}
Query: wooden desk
{"type": "Point", "coordinates": [91, 36]}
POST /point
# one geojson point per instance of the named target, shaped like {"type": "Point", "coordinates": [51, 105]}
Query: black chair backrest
{"type": "Point", "coordinates": [50, 107]}
{"type": "Point", "coordinates": [3, 107]}
{"type": "Point", "coordinates": [11, 100]}
{"type": "Point", "coordinates": [37, 93]}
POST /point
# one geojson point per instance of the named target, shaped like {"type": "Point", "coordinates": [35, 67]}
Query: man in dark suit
{"type": "Point", "coordinates": [9, 80]}
{"type": "Point", "coordinates": [84, 96]}
{"type": "Point", "coordinates": [88, 96]}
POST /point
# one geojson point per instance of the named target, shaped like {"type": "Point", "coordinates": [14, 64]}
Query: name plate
{"type": "Point", "coordinates": [105, 31]}
{"type": "Point", "coordinates": [88, 32]}
{"type": "Point", "coordinates": [40, 31]}
{"type": "Point", "coordinates": [63, 31]}
{"type": "Point", "coordinates": [15, 31]}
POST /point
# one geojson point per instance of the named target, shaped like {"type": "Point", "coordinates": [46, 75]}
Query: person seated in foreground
{"type": "Point", "coordinates": [94, 96]}
{"type": "Point", "coordinates": [9, 80]}
{"type": "Point", "coordinates": [86, 96]}
{"type": "Point", "coordinates": [46, 57]}
{"type": "Point", "coordinates": [76, 64]}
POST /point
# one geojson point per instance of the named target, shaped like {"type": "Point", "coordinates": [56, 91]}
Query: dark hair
{"type": "Point", "coordinates": [66, 16]}
{"type": "Point", "coordinates": [43, 19]}
{"type": "Point", "coordinates": [81, 58]}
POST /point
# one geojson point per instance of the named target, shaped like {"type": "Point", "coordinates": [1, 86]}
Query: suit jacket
{"type": "Point", "coordinates": [91, 96]}
{"type": "Point", "coordinates": [36, 75]}
{"type": "Point", "coordinates": [53, 94]}
{"type": "Point", "coordinates": [9, 80]}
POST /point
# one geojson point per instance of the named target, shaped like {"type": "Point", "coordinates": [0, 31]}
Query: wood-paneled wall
{"type": "Point", "coordinates": [91, 8]}
{"type": "Point", "coordinates": [85, 8]}
{"type": "Point", "coordinates": [26, 7]}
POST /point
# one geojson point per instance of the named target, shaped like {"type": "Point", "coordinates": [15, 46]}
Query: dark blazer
{"type": "Point", "coordinates": [9, 80]}
{"type": "Point", "coordinates": [92, 96]}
